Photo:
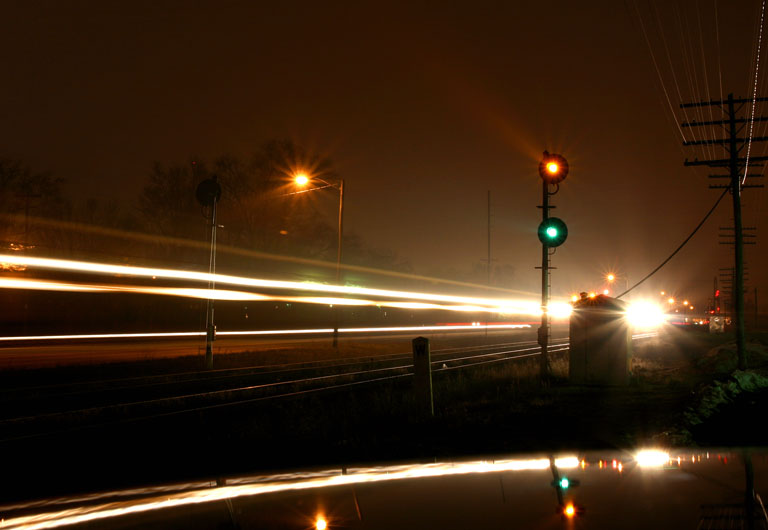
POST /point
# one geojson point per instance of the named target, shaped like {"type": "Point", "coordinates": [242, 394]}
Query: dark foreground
{"type": "Point", "coordinates": [498, 410]}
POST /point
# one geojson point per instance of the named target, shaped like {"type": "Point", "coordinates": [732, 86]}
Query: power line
{"type": "Point", "coordinates": [654, 271]}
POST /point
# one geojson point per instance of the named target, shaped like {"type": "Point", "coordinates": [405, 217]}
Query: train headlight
{"type": "Point", "coordinates": [645, 315]}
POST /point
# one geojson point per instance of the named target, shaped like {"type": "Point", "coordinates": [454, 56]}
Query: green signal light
{"type": "Point", "coordinates": [564, 483]}
{"type": "Point", "coordinates": [552, 232]}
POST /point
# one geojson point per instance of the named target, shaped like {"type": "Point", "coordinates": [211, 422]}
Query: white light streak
{"type": "Point", "coordinates": [242, 296]}
{"type": "Point", "coordinates": [267, 332]}
{"type": "Point", "coordinates": [461, 303]}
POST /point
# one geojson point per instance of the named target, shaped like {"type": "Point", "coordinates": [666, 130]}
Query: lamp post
{"type": "Point", "coordinates": [208, 194]}
{"type": "Point", "coordinates": [301, 179]}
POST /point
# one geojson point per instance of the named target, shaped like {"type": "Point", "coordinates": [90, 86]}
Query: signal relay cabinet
{"type": "Point", "coordinates": [601, 342]}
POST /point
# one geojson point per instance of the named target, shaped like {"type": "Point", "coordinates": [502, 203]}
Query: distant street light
{"type": "Point", "coordinates": [671, 300]}
{"type": "Point", "coordinates": [301, 179]}
{"type": "Point", "coordinates": [611, 277]}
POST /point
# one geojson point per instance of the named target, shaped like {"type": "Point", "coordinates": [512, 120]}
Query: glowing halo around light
{"type": "Point", "coordinates": [651, 458]}
{"type": "Point", "coordinates": [645, 315]}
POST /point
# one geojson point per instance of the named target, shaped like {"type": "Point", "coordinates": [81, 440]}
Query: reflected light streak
{"type": "Point", "coordinates": [219, 279]}
{"type": "Point", "coordinates": [90, 513]}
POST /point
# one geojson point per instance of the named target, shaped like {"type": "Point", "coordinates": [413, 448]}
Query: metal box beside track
{"type": "Point", "coordinates": [600, 342]}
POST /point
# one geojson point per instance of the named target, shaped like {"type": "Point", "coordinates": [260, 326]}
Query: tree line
{"type": "Point", "coordinates": [259, 215]}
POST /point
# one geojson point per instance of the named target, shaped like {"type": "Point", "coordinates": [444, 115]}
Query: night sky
{"type": "Point", "coordinates": [423, 106]}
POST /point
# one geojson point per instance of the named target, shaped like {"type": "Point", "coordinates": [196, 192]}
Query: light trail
{"type": "Point", "coordinates": [471, 303]}
{"type": "Point", "coordinates": [228, 295]}
{"type": "Point", "coordinates": [253, 254]}
{"type": "Point", "coordinates": [276, 484]}
{"type": "Point", "coordinates": [266, 332]}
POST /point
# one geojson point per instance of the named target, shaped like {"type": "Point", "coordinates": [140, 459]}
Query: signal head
{"type": "Point", "coordinates": [553, 168]}
{"type": "Point", "coordinates": [553, 232]}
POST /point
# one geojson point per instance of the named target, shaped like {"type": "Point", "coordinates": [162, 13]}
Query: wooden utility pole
{"type": "Point", "coordinates": [738, 173]}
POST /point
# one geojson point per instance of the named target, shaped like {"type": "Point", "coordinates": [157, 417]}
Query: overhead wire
{"type": "Point", "coordinates": [697, 92]}
{"type": "Point", "coordinates": [717, 41]}
{"type": "Point", "coordinates": [682, 33]}
{"type": "Point", "coordinates": [658, 70]}
{"type": "Point", "coordinates": [674, 76]}
{"type": "Point", "coordinates": [706, 75]}
{"type": "Point", "coordinates": [687, 239]}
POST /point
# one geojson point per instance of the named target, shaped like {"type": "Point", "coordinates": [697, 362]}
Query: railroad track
{"type": "Point", "coordinates": [90, 404]}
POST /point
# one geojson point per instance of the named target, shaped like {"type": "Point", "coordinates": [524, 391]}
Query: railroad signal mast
{"type": "Point", "coordinates": [552, 233]}
{"type": "Point", "coordinates": [738, 172]}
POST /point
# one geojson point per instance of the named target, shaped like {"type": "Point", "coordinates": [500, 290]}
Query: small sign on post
{"type": "Point", "coordinates": [422, 377]}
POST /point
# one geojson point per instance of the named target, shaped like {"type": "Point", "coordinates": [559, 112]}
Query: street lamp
{"type": "Point", "coordinates": [208, 193]}
{"type": "Point", "coordinates": [301, 179]}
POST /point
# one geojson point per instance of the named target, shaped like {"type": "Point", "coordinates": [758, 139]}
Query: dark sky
{"type": "Point", "coordinates": [424, 106]}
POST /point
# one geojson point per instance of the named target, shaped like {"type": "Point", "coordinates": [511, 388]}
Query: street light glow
{"type": "Point", "coordinates": [671, 300]}
{"type": "Point", "coordinates": [610, 277]}
{"type": "Point", "coordinates": [301, 179]}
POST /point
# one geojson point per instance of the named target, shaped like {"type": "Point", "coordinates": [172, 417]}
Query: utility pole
{"type": "Point", "coordinates": [488, 260]}
{"type": "Point", "coordinates": [337, 308]}
{"type": "Point", "coordinates": [736, 164]}
{"type": "Point", "coordinates": [756, 322]}
{"type": "Point", "coordinates": [489, 238]}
